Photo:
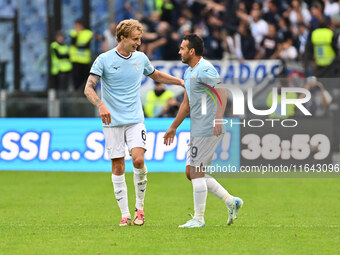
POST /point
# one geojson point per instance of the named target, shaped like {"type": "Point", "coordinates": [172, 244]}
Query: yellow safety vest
{"type": "Point", "coordinates": [159, 4]}
{"type": "Point", "coordinates": [79, 53]}
{"type": "Point", "coordinates": [323, 51]}
{"type": "Point", "coordinates": [154, 104]}
{"type": "Point", "coordinates": [290, 110]}
{"type": "Point", "coordinates": [61, 63]}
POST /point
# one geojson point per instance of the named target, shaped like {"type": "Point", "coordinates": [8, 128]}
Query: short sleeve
{"type": "Point", "coordinates": [97, 66]}
{"type": "Point", "coordinates": [209, 76]}
{"type": "Point", "coordinates": [148, 67]}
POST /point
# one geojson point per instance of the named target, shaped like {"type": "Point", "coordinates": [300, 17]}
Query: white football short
{"type": "Point", "coordinates": [116, 137]}
{"type": "Point", "coordinates": [201, 150]}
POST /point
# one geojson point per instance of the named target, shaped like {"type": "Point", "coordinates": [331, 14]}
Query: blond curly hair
{"type": "Point", "coordinates": [126, 27]}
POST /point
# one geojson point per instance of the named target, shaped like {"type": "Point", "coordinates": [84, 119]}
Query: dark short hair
{"type": "Point", "coordinates": [318, 4]}
{"type": "Point", "coordinates": [80, 22]}
{"type": "Point", "coordinates": [195, 42]}
{"type": "Point", "coordinates": [59, 33]}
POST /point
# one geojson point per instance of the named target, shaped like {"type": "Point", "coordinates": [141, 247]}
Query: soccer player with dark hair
{"type": "Point", "coordinates": [205, 137]}
{"type": "Point", "coordinates": [121, 71]}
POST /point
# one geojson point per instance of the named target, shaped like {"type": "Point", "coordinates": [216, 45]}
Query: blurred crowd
{"type": "Point", "coordinates": [241, 29]}
{"type": "Point", "coordinates": [306, 31]}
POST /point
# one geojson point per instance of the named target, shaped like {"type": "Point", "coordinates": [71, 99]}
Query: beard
{"type": "Point", "coordinates": [185, 61]}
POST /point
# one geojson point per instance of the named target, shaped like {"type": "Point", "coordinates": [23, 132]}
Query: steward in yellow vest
{"type": "Point", "coordinates": [164, 5]}
{"type": "Point", "coordinates": [61, 65]}
{"type": "Point", "coordinates": [324, 45]}
{"type": "Point", "coordinates": [156, 100]}
{"type": "Point", "coordinates": [80, 53]}
{"type": "Point", "coordinates": [322, 39]}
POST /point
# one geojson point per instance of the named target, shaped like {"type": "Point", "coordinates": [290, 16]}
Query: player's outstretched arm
{"type": "Point", "coordinates": [183, 111]}
{"type": "Point", "coordinates": [166, 78]}
{"type": "Point", "coordinates": [220, 110]}
{"type": "Point", "coordinates": [92, 96]}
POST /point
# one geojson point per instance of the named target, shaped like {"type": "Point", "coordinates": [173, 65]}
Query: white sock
{"type": "Point", "coordinates": [120, 190]}
{"type": "Point", "coordinates": [140, 181]}
{"type": "Point", "coordinates": [217, 189]}
{"type": "Point", "coordinates": [200, 197]}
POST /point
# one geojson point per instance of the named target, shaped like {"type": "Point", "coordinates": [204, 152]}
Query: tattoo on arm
{"type": "Point", "coordinates": [90, 92]}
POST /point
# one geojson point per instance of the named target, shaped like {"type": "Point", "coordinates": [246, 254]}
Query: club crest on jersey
{"type": "Point", "coordinates": [136, 65]}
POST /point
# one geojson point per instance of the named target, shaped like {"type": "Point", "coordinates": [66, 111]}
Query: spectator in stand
{"type": "Point", "coordinates": [126, 9]}
{"type": "Point", "coordinates": [168, 11]}
{"type": "Point", "coordinates": [258, 26]}
{"type": "Point", "coordinates": [152, 21]}
{"type": "Point", "coordinates": [244, 43]}
{"type": "Point", "coordinates": [269, 44]}
{"type": "Point", "coordinates": [214, 46]}
{"type": "Point", "coordinates": [318, 106]}
{"type": "Point", "coordinates": [165, 47]}
{"type": "Point", "coordinates": [242, 7]}
{"type": "Point", "coordinates": [331, 7]}
{"type": "Point", "coordinates": [171, 109]}
{"type": "Point", "coordinates": [336, 23]}
{"type": "Point", "coordinates": [287, 51]}
{"type": "Point", "coordinates": [184, 26]}
{"type": "Point", "coordinates": [189, 15]}
{"type": "Point", "coordinates": [302, 38]}
{"type": "Point", "coordinates": [109, 38]}
{"type": "Point", "coordinates": [209, 18]}
{"type": "Point", "coordinates": [214, 7]}
{"type": "Point", "coordinates": [318, 17]}
{"type": "Point", "coordinates": [283, 32]}
{"type": "Point", "coordinates": [272, 15]}
{"type": "Point", "coordinates": [156, 100]}
{"type": "Point", "coordinates": [297, 13]}
{"type": "Point", "coordinates": [149, 27]}
{"type": "Point", "coordinates": [256, 5]}
{"type": "Point", "coordinates": [230, 20]}
{"type": "Point", "coordinates": [213, 21]}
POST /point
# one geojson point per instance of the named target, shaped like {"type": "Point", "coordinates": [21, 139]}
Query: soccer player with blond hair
{"type": "Point", "coordinates": [121, 72]}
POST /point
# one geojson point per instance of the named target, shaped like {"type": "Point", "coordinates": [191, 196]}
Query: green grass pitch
{"type": "Point", "coordinates": [76, 213]}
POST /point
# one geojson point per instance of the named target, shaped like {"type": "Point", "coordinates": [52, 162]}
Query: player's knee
{"type": "Point", "coordinates": [138, 162]}
{"type": "Point", "coordinates": [118, 169]}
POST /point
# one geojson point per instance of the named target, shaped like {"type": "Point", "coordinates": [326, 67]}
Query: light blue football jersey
{"type": "Point", "coordinates": [196, 79]}
{"type": "Point", "coordinates": [121, 78]}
